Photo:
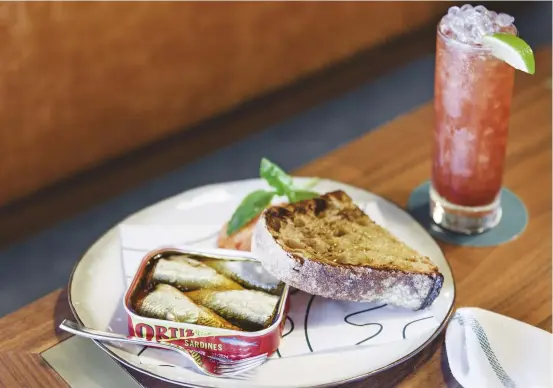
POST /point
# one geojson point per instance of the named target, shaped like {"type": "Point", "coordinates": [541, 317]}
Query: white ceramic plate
{"type": "Point", "coordinates": [98, 284]}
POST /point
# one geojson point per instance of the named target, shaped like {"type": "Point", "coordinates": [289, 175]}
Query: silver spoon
{"type": "Point", "coordinates": [223, 367]}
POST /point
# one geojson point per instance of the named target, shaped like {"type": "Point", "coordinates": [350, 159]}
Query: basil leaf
{"type": "Point", "coordinates": [250, 207]}
{"type": "Point", "coordinates": [300, 195]}
{"type": "Point", "coordinates": [275, 176]}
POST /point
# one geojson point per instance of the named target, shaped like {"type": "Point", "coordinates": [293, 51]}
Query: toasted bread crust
{"type": "Point", "coordinates": [361, 283]}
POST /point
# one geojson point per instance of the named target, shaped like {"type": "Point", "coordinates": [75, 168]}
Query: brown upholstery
{"type": "Point", "coordinates": [84, 82]}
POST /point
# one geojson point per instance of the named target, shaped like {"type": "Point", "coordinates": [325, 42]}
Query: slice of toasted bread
{"type": "Point", "coordinates": [327, 246]}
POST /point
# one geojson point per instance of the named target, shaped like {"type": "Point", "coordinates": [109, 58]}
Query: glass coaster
{"type": "Point", "coordinates": [513, 220]}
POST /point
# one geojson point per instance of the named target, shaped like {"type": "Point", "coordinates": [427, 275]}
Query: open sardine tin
{"type": "Point", "coordinates": [227, 300]}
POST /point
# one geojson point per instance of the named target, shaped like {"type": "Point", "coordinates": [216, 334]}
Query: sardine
{"type": "Point", "coordinates": [189, 274]}
{"type": "Point", "coordinates": [251, 310]}
{"type": "Point", "coordinates": [167, 302]}
{"type": "Point", "coordinates": [249, 274]}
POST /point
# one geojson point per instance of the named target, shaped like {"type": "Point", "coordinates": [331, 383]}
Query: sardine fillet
{"type": "Point", "coordinates": [248, 309]}
{"type": "Point", "coordinates": [166, 302]}
{"type": "Point", "coordinates": [249, 274]}
{"type": "Point", "coordinates": [188, 275]}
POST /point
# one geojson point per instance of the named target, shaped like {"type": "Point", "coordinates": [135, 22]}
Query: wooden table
{"type": "Point", "coordinates": [512, 279]}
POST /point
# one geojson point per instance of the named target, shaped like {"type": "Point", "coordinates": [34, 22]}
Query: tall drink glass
{"type": "Point", "coordinates": [473, 91]}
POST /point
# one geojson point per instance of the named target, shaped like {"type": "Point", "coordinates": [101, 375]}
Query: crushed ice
{"type": "Point", "coordinates": [469, 24]}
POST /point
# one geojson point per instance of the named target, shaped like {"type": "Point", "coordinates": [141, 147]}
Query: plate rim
{"type": "Point", "coordinates": [408, 356]}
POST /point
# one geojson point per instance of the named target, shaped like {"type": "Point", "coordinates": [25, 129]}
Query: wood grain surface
{"type": "Point", "coordinates": [25, 334]}
{"type": "Point", "coordinates": [513, 279]}
{"type": "Point", "coordinates": [83, 82]}
{"type": "Point", "coordinates": [27, 370]}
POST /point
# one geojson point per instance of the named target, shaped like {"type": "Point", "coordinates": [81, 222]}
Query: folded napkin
{"type": "Point", "coordinates": [485, 349]}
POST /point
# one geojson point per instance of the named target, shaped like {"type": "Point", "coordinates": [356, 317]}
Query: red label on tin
{"type": "Point", "coordinates": [205, 341]}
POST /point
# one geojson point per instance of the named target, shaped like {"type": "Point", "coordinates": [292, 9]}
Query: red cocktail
{"type": "Point", "coordinates": [473, 91]}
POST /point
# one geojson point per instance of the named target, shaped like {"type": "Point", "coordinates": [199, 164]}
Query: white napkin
{"type": "Point", "coordinates": [485, 349]}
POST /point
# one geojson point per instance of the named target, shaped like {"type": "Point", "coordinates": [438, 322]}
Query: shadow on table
{"type": "Point", "coordinates": [61, 311]}
{"type": "Point", "coordinates": [446, 372]}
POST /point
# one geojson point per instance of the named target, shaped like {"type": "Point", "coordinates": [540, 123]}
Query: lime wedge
{"type": "Point", "coordinates": [511, 49]}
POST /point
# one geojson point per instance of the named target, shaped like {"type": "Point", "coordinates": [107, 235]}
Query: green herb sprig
{"type": "Point", "coordinates": [283, 186]}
